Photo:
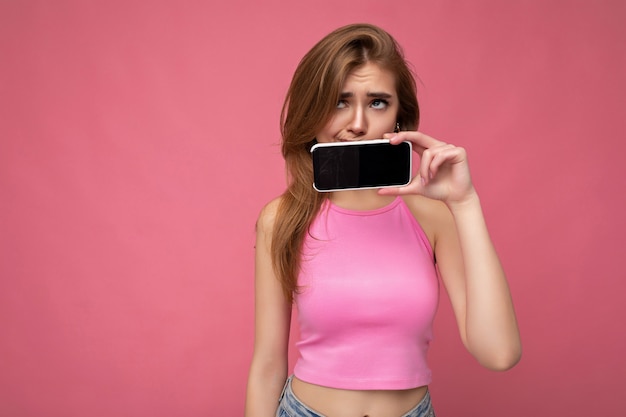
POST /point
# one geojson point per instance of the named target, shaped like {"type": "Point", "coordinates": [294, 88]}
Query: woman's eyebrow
{"type": "Point", "coordinates": [374, 94]}
{"type": "Point", "coordinates": [379, 94]}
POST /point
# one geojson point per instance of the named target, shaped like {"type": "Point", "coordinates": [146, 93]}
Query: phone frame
{"type": "Point", "coordinates": [365, 143]}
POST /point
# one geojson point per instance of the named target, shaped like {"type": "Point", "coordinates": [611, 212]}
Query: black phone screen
{"type": "Point", "coordinates": [366, 164]}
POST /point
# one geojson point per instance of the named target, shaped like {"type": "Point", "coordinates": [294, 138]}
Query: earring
{"type": "Point", "coordinates": [397, 129]}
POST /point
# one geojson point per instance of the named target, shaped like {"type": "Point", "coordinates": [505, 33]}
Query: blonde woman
{"type": "Point", "coordinates": [363, 266]}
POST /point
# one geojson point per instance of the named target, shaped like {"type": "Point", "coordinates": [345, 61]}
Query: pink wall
{"type": "Point", "coordinates": [138, 143]}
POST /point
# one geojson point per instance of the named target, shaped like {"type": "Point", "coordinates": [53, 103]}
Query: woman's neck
{"type": "Point", "coordinates": [360, 199]}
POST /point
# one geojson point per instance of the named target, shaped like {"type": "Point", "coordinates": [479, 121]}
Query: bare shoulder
{"type": "Point", "coordinates": [267, 216]}
{"type": "Point", "coordinates": [433, 215]}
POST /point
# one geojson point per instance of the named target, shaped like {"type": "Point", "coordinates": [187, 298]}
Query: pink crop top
{"type": "Point", "coordinates": [369, 292]}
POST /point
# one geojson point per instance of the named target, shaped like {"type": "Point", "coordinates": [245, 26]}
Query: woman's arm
{"type": "Point", "coordinates": [468, 263]}
{"type": "Point", "coordinates": [268, 370]}
{"type": "Point", "coordinates": [475, 281]}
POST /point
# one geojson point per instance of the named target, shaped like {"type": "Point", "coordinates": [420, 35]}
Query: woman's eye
{"type": "Point", "coordinates": [379, 104]}
{"type": "Point", "coordinates": [341, 104]}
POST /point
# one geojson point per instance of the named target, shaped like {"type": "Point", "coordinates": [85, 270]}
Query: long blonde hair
{"type": "Point", "coordinates": [310, 102]}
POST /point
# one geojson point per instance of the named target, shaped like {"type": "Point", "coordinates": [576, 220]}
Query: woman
{"type": "Point", "coordinates": [362, 266]}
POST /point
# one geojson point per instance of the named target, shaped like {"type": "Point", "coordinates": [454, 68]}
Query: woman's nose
{"type": "Point", "coordinates": [358, 122]}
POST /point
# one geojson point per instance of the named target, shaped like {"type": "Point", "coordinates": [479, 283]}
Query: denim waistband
{"type": "Point", "coordinates": [291, 406]}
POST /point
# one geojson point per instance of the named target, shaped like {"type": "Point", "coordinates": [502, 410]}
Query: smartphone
{"type": "Point", "coordinates": [360, 165]}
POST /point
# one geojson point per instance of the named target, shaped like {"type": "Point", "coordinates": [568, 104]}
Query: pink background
{"type": "Point", "coordinates": [138, 141]}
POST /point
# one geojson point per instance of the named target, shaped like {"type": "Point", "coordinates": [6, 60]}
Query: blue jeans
{"type": "Point", "coordinates": [290, 406]}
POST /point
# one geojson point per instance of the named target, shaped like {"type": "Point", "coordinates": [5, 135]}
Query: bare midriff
{"type": "Point", "coordinates": [332, 402]}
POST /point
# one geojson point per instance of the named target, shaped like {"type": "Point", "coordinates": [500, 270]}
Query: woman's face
{"type": "Point", "coordinates": [367, 107]}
